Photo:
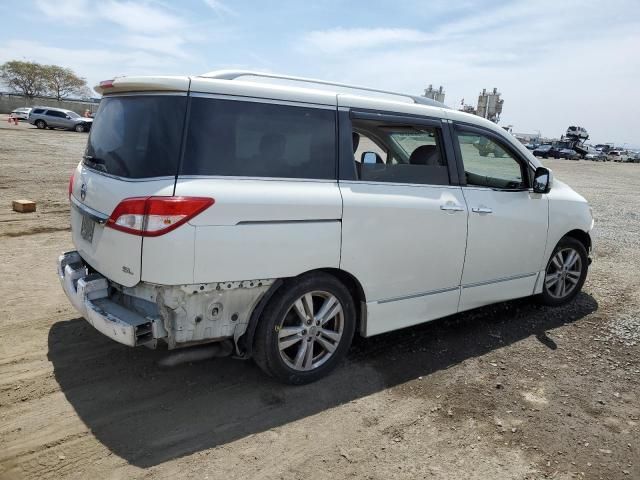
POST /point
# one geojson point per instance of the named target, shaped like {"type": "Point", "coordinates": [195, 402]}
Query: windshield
{"type": "Point", "coordinates": [137, 136]}
{"type": "Point", "coordinates": [73, 114]}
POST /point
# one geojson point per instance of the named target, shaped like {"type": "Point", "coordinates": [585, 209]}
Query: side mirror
{"type": "Point", "coordinates": [67, 117]}
{"type": "Point", "coordinates": [542, 180]}
{"type": "Point", "coordinates": [369, 158]}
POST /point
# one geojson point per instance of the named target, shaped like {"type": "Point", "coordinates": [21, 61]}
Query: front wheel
{"type": "Point", "coordinates": [79, 128]}
{"type": "Point", "coordinates": [565, 273]}
{"type": "Point", "coordinates": [306, 329]}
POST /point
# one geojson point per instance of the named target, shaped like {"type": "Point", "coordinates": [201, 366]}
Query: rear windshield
{"type": "Point", "coordinates": [137, 136]}
{"type": "Point", "coordinates": [253, 139]}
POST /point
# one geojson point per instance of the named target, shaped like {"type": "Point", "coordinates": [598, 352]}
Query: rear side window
{"type": "Point", "coordinates": [137, 136]}
{"type": "Point", "coordinates": [399, 153]}
{"type": "Point", "coordinates": [252, 139]}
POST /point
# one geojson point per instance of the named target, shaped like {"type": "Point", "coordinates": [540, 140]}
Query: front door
{"type": "Point", "coordinates": [403, 223]}
{"type": "Point", "coordinates": [507, 221]}
{"type": "Point", "coordinates": [55, 119]}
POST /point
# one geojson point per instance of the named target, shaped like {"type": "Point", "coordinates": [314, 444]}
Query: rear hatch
{"type": "Point", "coordinates": [133, 151]}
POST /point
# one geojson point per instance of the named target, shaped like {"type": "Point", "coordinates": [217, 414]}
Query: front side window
{"type": "Point", "coordinates": [399, 153]}
{"type": "Point", "coordinates": [55, 113]}
{"type": "Point", "coordinates": [488, 164]}
{"type": "Point", "coordinates": [254, 139]}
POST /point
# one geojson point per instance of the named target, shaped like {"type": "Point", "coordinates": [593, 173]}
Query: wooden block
{"type": "Point", "coordinates": [24, 206]}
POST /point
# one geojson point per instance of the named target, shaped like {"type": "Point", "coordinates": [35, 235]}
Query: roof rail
{"type": "Point", "coordinates": [233, 74]}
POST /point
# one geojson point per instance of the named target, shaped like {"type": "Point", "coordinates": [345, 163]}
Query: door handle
{"type": "Point", "coordinates": [481, 210]}
{"type": "Point", "coordinates": [451, 207]}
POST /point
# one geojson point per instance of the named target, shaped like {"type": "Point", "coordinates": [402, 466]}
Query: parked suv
{"type": "Point", "coordinates": [278, 221]}
{"type": "Point", "coordinates": [49, 117]}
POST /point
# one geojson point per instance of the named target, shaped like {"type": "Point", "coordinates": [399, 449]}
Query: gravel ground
{"type": "Point", "coordinates": [514, 391]}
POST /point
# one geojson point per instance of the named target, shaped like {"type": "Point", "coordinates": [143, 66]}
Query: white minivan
{"type": "Point", "coordinates": [277, 216]}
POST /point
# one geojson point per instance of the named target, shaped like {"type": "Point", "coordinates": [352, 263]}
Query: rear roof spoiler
{"type": "Point", "coordinates": [142, 84]}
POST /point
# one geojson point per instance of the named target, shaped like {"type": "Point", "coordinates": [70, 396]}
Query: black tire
{"type": "Point", "coordinates": [278, 311]}
{"type": "Point", "coordinates": [41, 124]}
{"type": "Point", "coordinates": [550, 295]}
{"type": "Point", "coordinates": [79, 128]}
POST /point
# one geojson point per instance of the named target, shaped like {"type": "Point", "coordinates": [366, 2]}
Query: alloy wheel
{"type": "Point", "coordinates": [311, 330]}
{"type": "Point", "coordinates": [563, 273]}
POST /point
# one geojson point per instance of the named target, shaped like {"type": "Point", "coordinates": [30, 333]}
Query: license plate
{"type": "Point", "coordinates": [86, 230]}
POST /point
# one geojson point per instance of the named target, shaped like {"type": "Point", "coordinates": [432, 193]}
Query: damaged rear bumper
{"type": "Point", "coordinates": [89, 294]}
{"type": "Point", "coordinates": [178, 315]}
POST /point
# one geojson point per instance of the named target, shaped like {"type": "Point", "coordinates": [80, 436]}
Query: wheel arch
{"type": "Point", "coordinates": [357, 293]}
{"type": "Point", "coordinates": [245, 342]}
{"type": "Point", "coordinates": [582, 236]}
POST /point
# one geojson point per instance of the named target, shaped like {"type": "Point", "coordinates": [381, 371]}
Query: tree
{"type": "Point", "coordinates": [62, 82]}
{"type": "Point", "coordinates": [27, 78]}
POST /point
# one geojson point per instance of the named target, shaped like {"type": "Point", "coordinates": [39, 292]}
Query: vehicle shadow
{"type": "Point", "coordinates": [148, 415]}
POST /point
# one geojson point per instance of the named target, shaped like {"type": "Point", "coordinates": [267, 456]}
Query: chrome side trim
{"type": "Point", "coordinates": [397, 184]}
{"type": "Point", "coordinates": [94, 215]}
{"type": "Point", "coordinates": [499, 280]}
{"type": "Point", "coordinates": [287, 222]}
{"type": "Point", "coordinates": [261, 179]}
{"type": "Point", "coordinates": [417, 295]}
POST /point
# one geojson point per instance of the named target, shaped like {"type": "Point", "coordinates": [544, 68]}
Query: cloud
{"type": "Point", "coordinates": [218, 7]}
{"type": "Point", "coordinates": [342, 39]}
{"type": "Point", "coordinates": [172, 45]}
{"type": "Point", "coordinates": [64, 10]}
{"type": "Point", "coordinates": [95, 64]}
{"type": "Point", "coordinates": [148, 29]}
{"type": "Point", "coordinates": [140, 17]}
{"type": "Point", "coordinates": [554, 69]}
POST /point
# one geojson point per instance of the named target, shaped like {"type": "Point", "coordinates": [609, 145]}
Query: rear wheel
{"type": "Point", "coordinates": [41, 124]}
{"type": "Point", "coordinates": [565, 273]}
{"type": "Point", "coordinates": [306, 329]}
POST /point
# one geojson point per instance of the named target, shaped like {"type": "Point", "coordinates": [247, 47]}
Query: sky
{"type": "Point", "coordinates": [556, 63]}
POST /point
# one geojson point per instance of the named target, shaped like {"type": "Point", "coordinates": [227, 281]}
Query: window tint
{"type": "Point", "coordinates": [487, 164]}
{"type": "Point", "coordinates": [38, 110]}
{"type": "Point", "coordinates": [252, 139]}
{"type": "Point", "coordinates": [399, 153]}
{"type": "Point", "coordinates": [137, 137]}
{"type": "Point", "coordinates": [55, 113]}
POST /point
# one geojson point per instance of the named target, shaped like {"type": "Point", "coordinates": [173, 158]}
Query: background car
{"type": "Point", "coordinates": [596, 156]}
{"type": "Point", "coordinates": [546, 151]}
{"type": "Point", "coordinates": [568, 153]}
{"type": "Point", "coordinates": [21, 113]}
{"type": "Point", "coordinates": [50, 117]}
{"type": "Point", "coordinates": [617, 156]}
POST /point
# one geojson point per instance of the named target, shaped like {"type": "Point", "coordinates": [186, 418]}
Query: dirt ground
{"type": "Point", "coordinates": [513, 391]}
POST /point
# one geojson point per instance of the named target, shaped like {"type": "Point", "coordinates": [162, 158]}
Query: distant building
{"type": "Point", "coordinates": [490, 105]}
{"type": "Point", "coordinates": [437, 95]}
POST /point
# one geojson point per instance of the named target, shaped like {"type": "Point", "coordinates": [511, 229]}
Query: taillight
{"type": "Point", "coordinates": [71, 178]}
{"type": "Point", "coordinates": [154, 216]}
{"type": "Point", "coordinates": [107, 83]}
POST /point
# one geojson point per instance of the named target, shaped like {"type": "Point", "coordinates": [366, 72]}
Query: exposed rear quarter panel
{"type": "Point", "coordinates": [264, 228]}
